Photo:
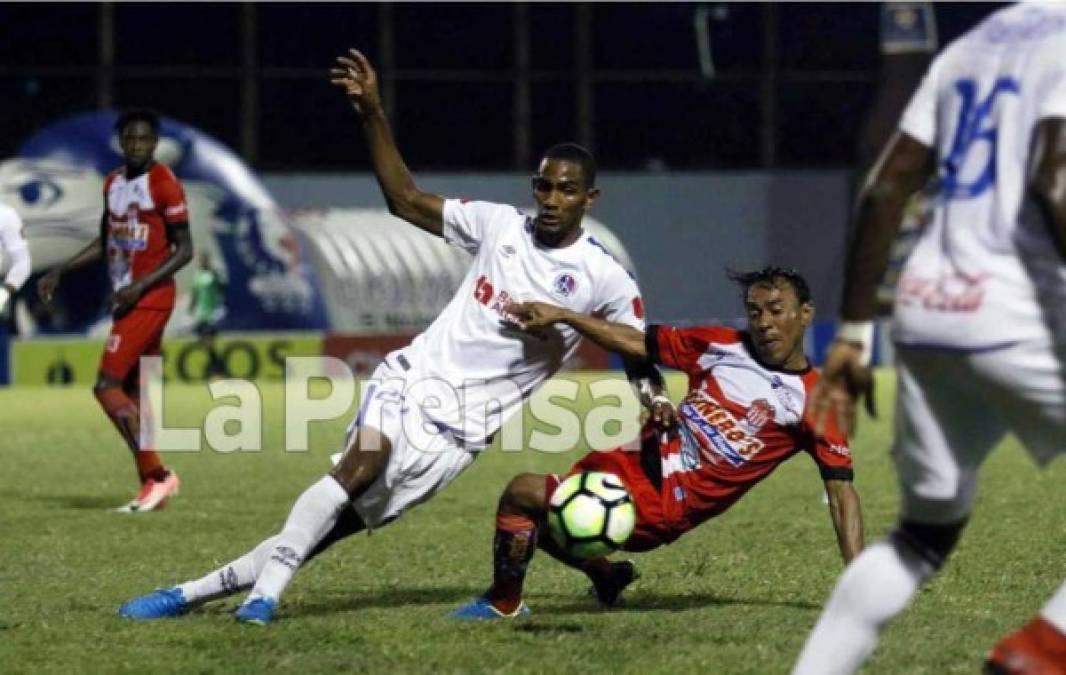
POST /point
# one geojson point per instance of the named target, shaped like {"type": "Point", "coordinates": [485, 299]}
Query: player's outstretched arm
{"type": "Point", "coordinates": [615, 337]}
{"type": "Point", "coordinates": [357, 77]}
{"type": "Point", "coordinates": [904, 167]}
{"type": "Point", "coordinates": [1047, 176]}
{"type": "Point", "coordinates": [846, 513]}
{"type": "Point", "coordinates": [93, 251]}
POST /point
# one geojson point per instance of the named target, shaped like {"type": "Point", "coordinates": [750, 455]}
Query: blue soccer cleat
{"type": "Point", "coordinates": [482, 610]}
{"type": "Point", "coordinates": [159, 604]}
{"type": "Point", "coordinates": [257, 611]}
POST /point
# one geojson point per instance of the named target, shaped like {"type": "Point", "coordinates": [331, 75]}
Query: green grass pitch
{"type": "Point", "coordinates": [736, 596]}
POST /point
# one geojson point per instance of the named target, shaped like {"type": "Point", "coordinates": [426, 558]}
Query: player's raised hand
{"type": "Point", "coordinates": [357, 77]}
{"type": "Point", "coordinates": [844, 380]}
{"type": "Point", "coordinates": [532, 316]}
{"type": "Point", "coordinates": [663, 414]}
{"type": "Point", "coordinates": [47, 285]}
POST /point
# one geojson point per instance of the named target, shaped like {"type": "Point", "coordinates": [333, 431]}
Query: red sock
{"type": "Point", "coordinates": [125, 416]}
{"type": "Point", "coordinates": [512, 549]}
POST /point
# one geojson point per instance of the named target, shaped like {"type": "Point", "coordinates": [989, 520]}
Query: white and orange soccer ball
{"type": "Point", "coordinates": [591, 514]}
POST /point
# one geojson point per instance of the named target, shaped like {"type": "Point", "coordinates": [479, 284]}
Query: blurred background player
{"type": "Point", "coordinates": [15, 256]}
{"type": "Point", "coordinates": [435, 404]}
{"type": "Point", "coordinates": [207, 305]}
{"type": "Point", "coordinates": [144, 234]}
{"type": "Point", "coordinates": [980, 324]}
{"type": "Point", "coordinates": [741, 418]}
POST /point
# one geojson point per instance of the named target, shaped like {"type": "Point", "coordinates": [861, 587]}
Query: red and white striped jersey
{"type": "Point", "coordinates": [138, 212]}
{"type": "Point", "coordinates": [738, 422]}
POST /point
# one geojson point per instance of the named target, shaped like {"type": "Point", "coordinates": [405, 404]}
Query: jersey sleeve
{"type": "Point", "coordinates": [1052, 99]}
{"type": "Point", "coordinates": [831, 453]}
{"type": "Point", "coordinates": [467, 224]}
{"type": "Point", "coordinates": [681, 348]}
{"type": "Point", "coordinates": [620, 300]}
{"type": "Point", "coordinates": [919, 117]}
{"type": "Point", "coordinates": [169, 198]}
{"type": "Point", "coordinates": [15, 248]}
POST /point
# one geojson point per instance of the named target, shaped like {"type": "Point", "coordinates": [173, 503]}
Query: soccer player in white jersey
{"type": "Point", "coordinates": [432, 406]}
{"type": "Point", "coordinates": [980, 318]}
{"type": "Point", "coordinates": [16, 255]}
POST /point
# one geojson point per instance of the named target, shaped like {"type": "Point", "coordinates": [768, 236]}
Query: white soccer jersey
{"type": "Point", "coordinates": [985, 271]}
{"type": "Point", "coordinates": [476, 369]}
{"type": "Point", "coordinates": [14, 251]}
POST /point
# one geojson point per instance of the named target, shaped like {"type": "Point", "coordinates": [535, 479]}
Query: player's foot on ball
{"type": "Point", "coordinates": [608, 587]}
{"type": "Point", "coordinates": [1037, 649]}
{"type": "Point", "coordinates": [154, 494]}
{"type": "Point", "coordinates": [257, 611]}
{"type": "Point", "coordinates": [482, 610]}
{"type": "Point", "coordinates": [162, 603]}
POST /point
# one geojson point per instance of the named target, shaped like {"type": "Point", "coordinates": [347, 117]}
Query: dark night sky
{"type": "Point", "coordinates": [49, 53]}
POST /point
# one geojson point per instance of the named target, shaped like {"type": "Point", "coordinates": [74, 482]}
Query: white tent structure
{"type": "Point", "coordinates": [381, 275]}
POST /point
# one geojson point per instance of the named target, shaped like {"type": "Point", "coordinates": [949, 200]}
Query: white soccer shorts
{"type": "Point", "coordinates": [953, 408]}
{"type": "Point", "coordinates": [424, 460]}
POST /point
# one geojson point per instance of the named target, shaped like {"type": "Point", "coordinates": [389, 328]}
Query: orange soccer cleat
{"type": "Point", "coordinates": [1037, 649]}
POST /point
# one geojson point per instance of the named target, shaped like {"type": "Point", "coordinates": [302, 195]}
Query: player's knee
{"type": "Point", "coordinates": [365, 460]}
{"type": "Point", "coordinates": [524, 494]}
{"type": "Point", "coordinates": [932, 542]}
{"type": "Point", "coordinates": [104, 381]}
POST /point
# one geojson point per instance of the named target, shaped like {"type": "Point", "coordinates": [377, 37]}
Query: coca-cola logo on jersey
{"type": "Point", "coordinates": [949, 293]}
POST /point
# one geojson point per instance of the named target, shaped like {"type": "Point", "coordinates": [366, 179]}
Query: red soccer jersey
{"type": "Point", "coordinates": [738, 422]}
{"type": "Point", "coordinates": [138, 212]}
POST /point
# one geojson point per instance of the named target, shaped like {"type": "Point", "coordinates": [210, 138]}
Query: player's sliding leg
{"type": "Point", "coordinates": [608, 578]}
{"type": "Point", "coordinates": [314, 515]}
{"type": "Point", "coordinates": [876, 586]}
{"type": "Point", "coordinates": [1039, 647]}
{"type": "Point", "coordinates": [237, 575]}
{"type": "Point", "coordinates": [520, 523]}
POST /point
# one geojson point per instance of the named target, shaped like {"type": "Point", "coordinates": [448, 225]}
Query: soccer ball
{"type": "Point", "coordinates": [591, 514]}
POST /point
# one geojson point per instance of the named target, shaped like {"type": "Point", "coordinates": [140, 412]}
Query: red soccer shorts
{"type": "Point", "coordinates": [652, 528]}
{"type": "Point", "coordinates": [138, 333]}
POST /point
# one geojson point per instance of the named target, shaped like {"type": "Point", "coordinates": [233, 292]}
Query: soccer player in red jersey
{"type": "Point", "coordinates": [144, 234]}
{"type": "Point", "coordinates": [742, 417]}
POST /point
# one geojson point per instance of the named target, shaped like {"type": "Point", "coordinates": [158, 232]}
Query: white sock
{"type": "Point", "coordinates": [236, 575]}
{"type": "Point", "coordinates": [875, 587]}
{"type": "Point", "coordinates": [312, 517]}
{"type": "Point", "coordinates": [1054, 611]}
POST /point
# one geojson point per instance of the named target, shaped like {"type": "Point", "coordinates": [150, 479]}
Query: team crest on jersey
{"type": "Point", "coordinates": [759, 413]}
{"type": "Point", "coordinates": [564, 285]}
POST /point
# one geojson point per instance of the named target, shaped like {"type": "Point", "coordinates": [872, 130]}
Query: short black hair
{"type": "Point", "coordinates": [768, 275]}
{"type": "Point", "coordinates": [127, 117]}
{"type": "Point", "coordinates": [572, 152]}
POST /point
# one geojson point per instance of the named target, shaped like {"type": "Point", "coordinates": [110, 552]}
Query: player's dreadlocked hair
{"type": "Point", "coordinates": [127, 117]}
{"type": "Point", "coordinates": [768, 275]}
{"type": "Point", "coordinates": [572, 152]}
